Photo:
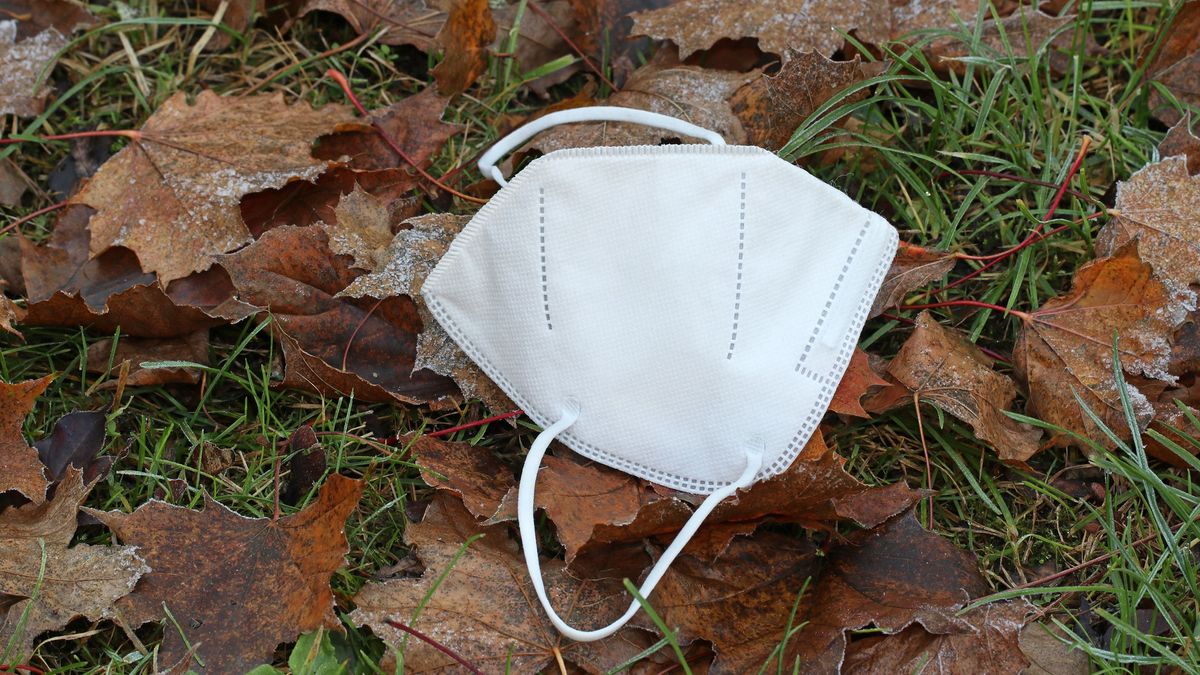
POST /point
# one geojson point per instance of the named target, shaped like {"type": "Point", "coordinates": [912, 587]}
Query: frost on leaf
{"type": "Point", "coordinates": [21, 64]}
{"type": "Point", "coordinates": [173, 194]}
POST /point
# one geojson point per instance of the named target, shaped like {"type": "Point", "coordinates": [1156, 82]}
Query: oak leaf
{"type": "Point", "coordinates": [948, 371]}
{"type": "Point", "coordinates": [172, 195]}
{"type": "Point", "coordinates": [20, 469]}
{"type": "Point", "coordinates": [912, 268]}
{"type": "Point", "coordinates": [237, 587]}
{"type": "Point", "coordinates": [1065, 347]}
{"type": "Point", "coordinates": [332, 345]}
{"type": "Point", "coordinates": [509, 632]}
{"type": "Point", "coordinates": [44, 582]}
{"type": "Point", "coordinates": [792, 26]}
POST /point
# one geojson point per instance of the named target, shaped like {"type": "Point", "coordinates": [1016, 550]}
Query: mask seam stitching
{"type": "Point", "coordinates": [542, 249]}
{"type": "Point", "coordinates": [737, 296]}
{"type": "Point", "coordinates": [837, 285]}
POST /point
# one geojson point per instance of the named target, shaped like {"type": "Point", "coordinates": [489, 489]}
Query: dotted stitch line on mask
{"type": "Point", "coordinates": [737, 297]}
{"type": "Point", "coordinates": [843, 359]}
{"type": "Point", "coordinates": [542, 249]}
{"type": "Point", "coordinates": [837, 286]}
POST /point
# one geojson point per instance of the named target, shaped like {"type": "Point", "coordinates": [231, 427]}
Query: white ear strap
{"type": "Point", "coordinates": [533, 461]}
{"type": "Point", "coordinates": [596, 113]}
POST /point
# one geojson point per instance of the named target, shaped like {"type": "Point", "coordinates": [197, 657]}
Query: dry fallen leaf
{"type": "Point", "coordinates": [76, 440]}
{"type": "Point", "coordinates": [1177, 64]}
{"type": "Point", "coordinates": [20, 469]}
{"type": "Point", "coordinates": [10, 314]}
{"type": "Point", "coordinates": [795, 25]}
{"type": "Point", "coordinates": [858, 381]}
{"type": "Point", "coordinates": [594, 507]}
{"type": "Point", "coordinates": [1021, 34]}
{"type": "Point", "coordinates": [414, 123]}
{"type": "Point", "coordinates": [400, 270]}
{"type": "Point", "coordinates": [172, 195]}
{"type": "Point", "coordinates": [465, 37]}
{"type": "Point", "coordinates": [192, 348]}
{"type": "Point", "coordinates": [538, 43]}
{"type": "Point", "coordinates": [605, 28]}
{"type": "Point", "coordinates": [947, 370]}
{"type": "Point", "coordinates": [1065, 347]}
{"type": "Point", "coordinates": [302, 203]}
{"type": "Point", "coordinates": [472, 473]}
{"type": "Point", "coordinates": [895, 576]}
{"type": "Point", "coordinates": [772, 108]}
{"type": "Point", "coordinates": [1180, 140]}
{"type": "Point", "coordinates": [1160, 206]}
{"type": "Point", "coordinates": [912, 268]}
{"type": "Point", "coordinates": [404, 22]}
{"type": "Point", "coordinates": [81, 580]}
{"type": "Point", "coordinates": [35, 16]}
{"type": "Point", "coordinates": [693, 94]}
{"type": "Point", "coordinates": [332, 345]}
{"type": "Point", "coordinates": [13, 183]}
{"type": "Point", "coordinates": [237, 587]}
{"type": "Point", "coordinates": [22, 62]}
{"type": "Point", "coordinates": [507, 633]}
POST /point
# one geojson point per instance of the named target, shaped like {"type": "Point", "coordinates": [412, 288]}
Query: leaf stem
{"type": "Point", "coordinates": [30, 216]}
{"type": "Point", "coordinates": [345, 85]}
{"type": "Point", "coordinates": [435, 644]}
{"type": "Point", "coordinates": [477, 423]}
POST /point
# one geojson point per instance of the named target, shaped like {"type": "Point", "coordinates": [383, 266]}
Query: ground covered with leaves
{"type": "Point", "coordinates": [232, 438]}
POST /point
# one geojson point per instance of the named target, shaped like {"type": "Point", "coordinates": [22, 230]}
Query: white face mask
{"type": "Point", "coordinates": [682, 313]}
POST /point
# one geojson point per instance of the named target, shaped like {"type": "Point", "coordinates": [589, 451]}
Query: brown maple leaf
{"type": "Point", "coordinates": [912, 268]}
{"type": "Point", "coordinates": [20, 469]}
{"type": "Point", "coordinates": [1065, 347]}
{"type": "Point", "coordinates": [400, 270]}
{"type": "Point", "coordinates": [22, 91]}
{"type": "Point", "coordinates": [172, 195]}
{"type": "Point", "coordinates": [475, 475]}
{"type": "Point", "coordinates": [414, 123]}
{"type": "Point", "coordinates": [859, 380]}
{"type": "Point", "coordinates": [44, 582]}
{"type": "Point", "coordinates": [593, 506]}
{"type": "Point", "coordinates": [1177, 64]}
{"type": "Point", "coordinates": [771, 108]}
{"type": "Point", "coordinates": [332, 345]}
{"type": "Point", "coordinates": [1159, 206]}
{"type": "Point", "coordinates": [941, 367]}
{"type": "Point", "coordinates": [690, 93]}
{"type": "Point", "coordinates": [237, 587]}
{"type": "Point", "coordinates": [895, 576]}
{"type": "Point", "coordinates": [795, 25]}
{"type": "Point", "coordinates": [1180, 140]}
{"type": "Point", "coordinates": [509, 631]}
{"type": "Point", "coordinates": [465, 37]}
{"type": "Point", "coordinates": [302, 203]}
{"type": "Point", "coordinates": [403, 22]}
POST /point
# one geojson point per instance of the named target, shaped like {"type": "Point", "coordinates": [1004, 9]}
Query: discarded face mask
{"type": "Point", "coordinates": [682, 313]}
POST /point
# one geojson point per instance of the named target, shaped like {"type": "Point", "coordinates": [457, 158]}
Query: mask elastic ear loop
{"type": "Point", "coordinates": [533, 461]}
{"type": "Point", "coordinates": [595, 113]}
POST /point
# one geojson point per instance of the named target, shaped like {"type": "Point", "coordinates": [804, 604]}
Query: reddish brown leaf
{"type": "Point", "coordinates": [301, 203]}
{"type": "Point", "coordinates": [407, 22]}
{"type": "Point", "coordinates": [794, 26]}
{"type": "Point", "coordinates": [1180, 140]}
{"type": "Point", "coordinates": [509, 632]}
{"type": "Point", "coordinates": [414, 123]}
{"type": "Point", "coordinates": [892, 577]}
{"type": "Point", "coordinates": [20, 469]}
{"type": "Point", "coordinates": [22, 62]}
{"type": "Point", "coordinates": [76, 440]}
{"type": "Point", "coordinates": [947, 370]}
{"type": "Point", "coordinates": [332, 345]}
{"type": "Point", "coordinates": [605, 29]}
{"type": "Point", "coordinates": [912, 268]}
{"type": "Point", "coordinates": [220, 574]}
{"type": "Point", "coordinates": [172, 196]}
{"type": "Point", "coordinates": [399, 271]}
{"type": "Point", "coordinates": [10, 314]}
{"type": "Point", "coordinates": [1065, 347]}
{"type": "Point", "coordinates": [237, 15]}
{"type": "Point", "coordinates": [1177, 64]}
{"type": "Point", "coordinates": [192, 348]}
{"type": "Point", "coordinates": [694, 94]}
{"type": "Point", "coordinates": [1158, 206]}
{"type": "Point", "coordinates": [593, 506]}
{"type": "Point", "coordinates": [464, 38]}
{"type": "Point", "coordinates": [474, 474]}
{"type": "Point", "coordinates": [858, 381]}
{"type": "Point", "coordinates": [81, 580]}
{"type": "Point", "coordinates": [772, 108]}
{"type": "Point", "coordinates": [35, 16]}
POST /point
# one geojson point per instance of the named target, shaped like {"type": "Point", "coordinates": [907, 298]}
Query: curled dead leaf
{"type": "Point", "coordinates": [20, 469]}
{"type": "Point", "coordinates": [912, 268]}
